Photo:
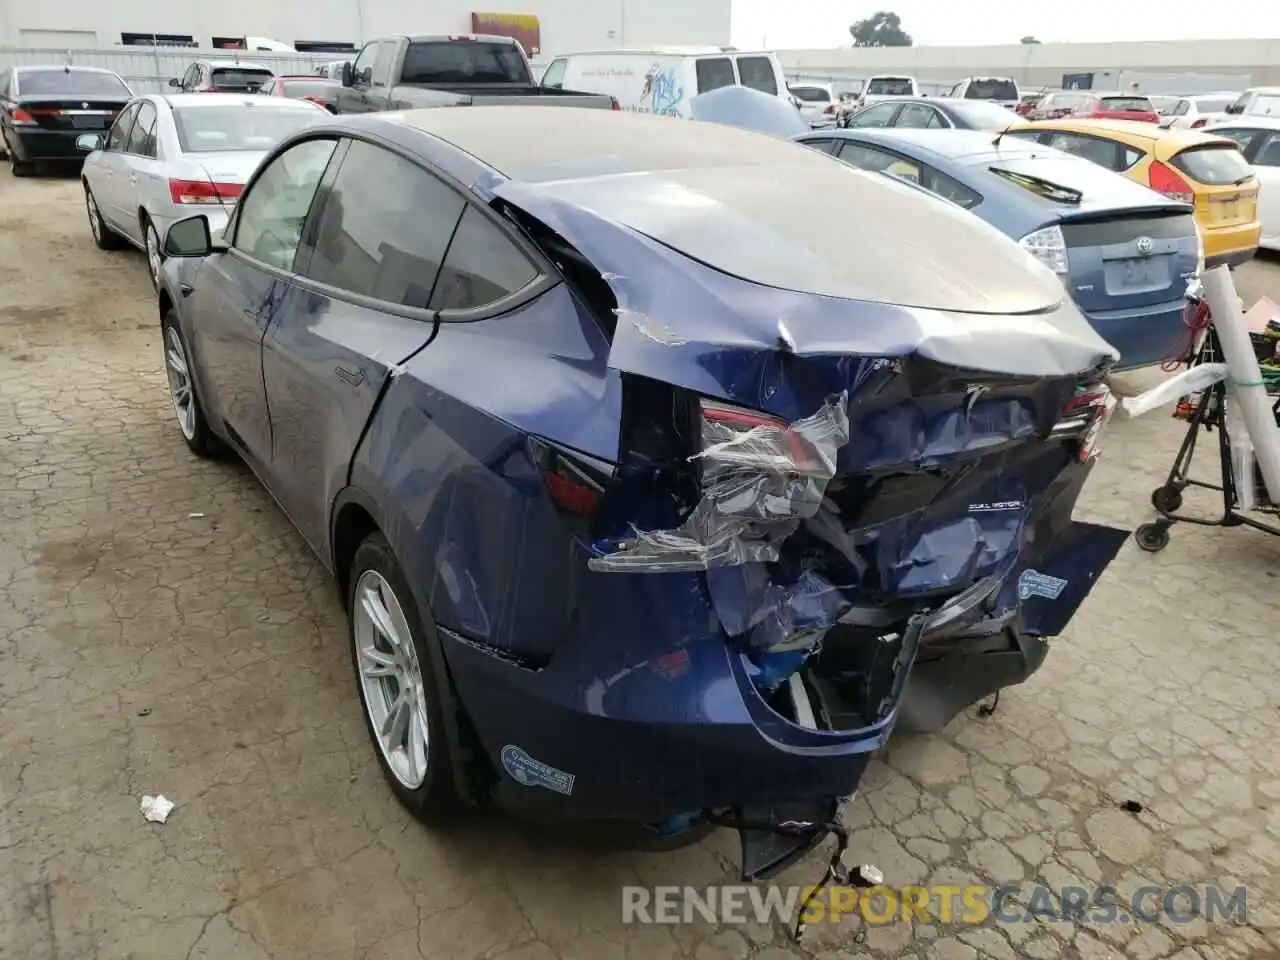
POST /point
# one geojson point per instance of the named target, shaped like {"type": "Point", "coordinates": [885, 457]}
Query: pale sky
{"type": "Point", "coordinates": [825, 23]}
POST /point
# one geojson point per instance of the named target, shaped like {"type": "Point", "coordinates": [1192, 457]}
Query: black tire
{"type": "Point", "coordinates": [103, 236]}
{"type": "Point", "coordinates": [1152, 537]}
{"type": "Point", "coordinates": [20, 168]}
{"type": "Point", "coordinates": [200, 439]}
{"type": "Point", "coordinates": [148, 230]}
{"type": "Point", "coordinates": [1166, 499]}
{"type": "Point", "coordinates": [436, 800]}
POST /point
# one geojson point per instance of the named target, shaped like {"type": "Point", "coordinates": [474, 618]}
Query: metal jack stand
{"type": "Point", "coordinates": [1167, 499]}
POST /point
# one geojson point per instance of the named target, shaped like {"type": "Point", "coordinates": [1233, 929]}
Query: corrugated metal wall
{"type": "Point", "coordinates": [148, 69]}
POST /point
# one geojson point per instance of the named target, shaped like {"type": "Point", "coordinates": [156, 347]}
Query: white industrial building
{"type": "Point", "coordinates": [561, 25]}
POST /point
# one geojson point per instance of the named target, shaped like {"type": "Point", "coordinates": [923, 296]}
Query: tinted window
{"type": "Point", "coordinates": [1182, 108]}
{"type": "Point", "coordinates": [142, 140]}
{"type": "Point", "coordinates": [1214, 165]}
{"type": "Point", "coordinates": [985, 116]}
{"type": "Point", "coordinates": [1269, 155]}
{"type": "Point", "coordinates": [1127, 103]}
{"type": "Point", "coordinates": [384, 228]}
{"type": "Point", "coordinates": [1212, 104]}
{"type": "Point", "coordinates": [1129, 156]}
{"type": "Point", "coordinates": [991, 89]}
{"type": "Point", "coordinates": [1240, 136]}
{"type": "Point", "coordinates": [236, 79]}
{"type": "Point", "coordinates": [879, 161]}
{"type": "Point", "coordinates": [1102, 152]}
{"type": "Point", "coordinates": [714, 74]}
{"type": "Point", "coordinates": [826, 146]}
{"type": "Point", "coordinates": [554, 77]}
{"type": "Point", "coordinates": [71, 83]}
{"type": "Point", "coordinates": [918, 116]}
{"type": "Point", "coordinates": [271, 214]}
{"type": "Point", "coordinates": [950, 189]}
{"type": "Point", "coordinates": [120, 130]}
{"type": "Point", "coordinates": [890, 87]}
{"type": "Point", "coordinates": [482, 266]}
{"type": "Point", "coordinates": [464, 62]}
{"type": "Point", "coordinates": [876, 116]}
{"type": "Point", "coordinates": [757, 73]}
{"type": "Point", "coordinates": [807, 94]}
{"type": "Point", "coordinates": [254, 125]}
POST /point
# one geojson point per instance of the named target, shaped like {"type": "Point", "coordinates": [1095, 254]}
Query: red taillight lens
{"type": "Point", "coordinates": [203, 191]}
{"type": "Point", "coordinates": [20, 118]}
{"type": "Point", "coordinates": [831, 109]}
{"type": "Point", "coordinates": [755, 439]}
{"type": "Point", "coordinates": [1164, 179]}
{"type": "Point", "coordinates": [574, 487]}
{"type": "Point", "coordinates": [318, 101]}
{"type": "Point", "coordinates": [1086, 415]}
{"type": "Point", "coordinates": [1199, 123]}
{"type": "Point", "coordinates": [614, 104]}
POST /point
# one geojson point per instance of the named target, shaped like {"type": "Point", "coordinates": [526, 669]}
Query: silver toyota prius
{"type": "Point", "coordinates": [167, 157]}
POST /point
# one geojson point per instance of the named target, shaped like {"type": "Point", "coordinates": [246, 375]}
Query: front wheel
{"type": "Point", "coordinates": [398, 686]}
{"type": "Point", "coordinates": [155, 256]}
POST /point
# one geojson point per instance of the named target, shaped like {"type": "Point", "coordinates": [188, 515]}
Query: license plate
{"type": "Point", "coordinates": [1229, 209]}
{"type": "Point", "coordinates": [1129, 276]}
{"type": "Point", "coordinates": [88, 122]}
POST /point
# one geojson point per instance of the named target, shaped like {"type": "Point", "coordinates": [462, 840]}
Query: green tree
{"type": "Point", "coordinates": [882, 29]}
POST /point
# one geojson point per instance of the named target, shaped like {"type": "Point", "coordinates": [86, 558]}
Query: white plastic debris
{"type": "Point", "coordinates": [194, 516]}
{"type": "Point", "coordinates": [157, 808]}
{"type": "Point", "coordinates": [1191, 380]}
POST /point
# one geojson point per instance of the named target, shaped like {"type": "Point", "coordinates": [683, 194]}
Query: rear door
{"type": "Point", "coordinates": [110, 191]}
{"type": "Point", "coordinates": [137, 161]}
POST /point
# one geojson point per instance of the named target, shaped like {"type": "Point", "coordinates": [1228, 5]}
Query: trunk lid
{"type": "Point", "coordinates": [80, 114]}
{"type": "Point", "coordinates": [232, 166]}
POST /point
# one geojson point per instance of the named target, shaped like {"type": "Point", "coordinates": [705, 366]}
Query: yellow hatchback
{"type": "Point", "coordinates": [1188, 165]}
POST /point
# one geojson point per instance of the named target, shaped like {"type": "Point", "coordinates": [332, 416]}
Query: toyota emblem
{"type": "Point", "coordinates": [1144, 246]}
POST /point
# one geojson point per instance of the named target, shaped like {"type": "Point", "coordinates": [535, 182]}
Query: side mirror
{"type": "Point", "coordinates": [89, 142]}
{"type": "Point", "coordinates": [175, 82]}
{"type": "Point", "coordinates": [189, 238]}
{"type": "Point", "coordinates": [348, 75]}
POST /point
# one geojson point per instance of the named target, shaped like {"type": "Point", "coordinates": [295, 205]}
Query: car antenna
{"type": "Point", "coordinates": [996, 141]}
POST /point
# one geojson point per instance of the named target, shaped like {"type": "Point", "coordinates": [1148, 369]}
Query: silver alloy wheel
{"type": "Point", "coordinates": [390, 678]}
{"type": "Point", "coordinates": [153, 253]}
{"type": "Point", "coordinates": [91, 206]}
{"type": "Point", "coordinates": [180, 392]}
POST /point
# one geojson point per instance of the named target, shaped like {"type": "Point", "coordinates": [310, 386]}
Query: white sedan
{"type": "Point", "coordinates": [167, 157]}
{"type": "Point", "coordinates": [1201, 110]}
{"type": "Point", "coordinates": [1259, 139]}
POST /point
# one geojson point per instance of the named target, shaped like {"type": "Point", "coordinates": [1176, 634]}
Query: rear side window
{"type": "Point", "coordinates": [384, 228]}
{"type": "Point", "coordinates": [1127, 103]}
{"type": "Point", "coordinates": [142, 140]}
{"type": "Point", "coordinates": [826, 146]}
{"type": "Point", "coordinates": [757, 73]}
{"type": "Point", "coordinates": [238, 78]}
{"type": "Point", "coordinates": [714, 74]}
{"type": "Point", "coordinates": [1266, 107]}
{"type": "Point", "coordinates": [1240, 136]}
{"type": "Point", "coordinates": [482, 266]}
{"type": "Point", "coordinates": [918, 116]}
{"type": "Point", "coordinates": [1269, 155]}
{"type": "Point", "coordinates": [949, 189]}
{"type": "Point", "coordinates": [1101, 152]}
{"type": "Point", "coordinates": [1215, 165]}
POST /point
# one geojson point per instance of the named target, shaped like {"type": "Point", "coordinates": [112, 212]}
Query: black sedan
{"type": "Point", "coordinates": [44, 109]}
{"type": "Point", "coordinates": [935, 113]}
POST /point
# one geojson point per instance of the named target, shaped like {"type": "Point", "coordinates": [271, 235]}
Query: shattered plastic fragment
{"type": "Point", "coordinates": [758, 485]}
{"type": "Point", "coordinates": [157, 808]}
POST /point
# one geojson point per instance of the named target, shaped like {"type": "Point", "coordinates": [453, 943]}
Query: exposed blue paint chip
{"type": "Point", "coordinates": [1032, 583]}
{"type": "Point", "coordinates": [534, 773]}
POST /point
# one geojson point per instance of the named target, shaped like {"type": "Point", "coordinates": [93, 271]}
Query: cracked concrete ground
{"type": "Point", "coordinates": [163, 629]}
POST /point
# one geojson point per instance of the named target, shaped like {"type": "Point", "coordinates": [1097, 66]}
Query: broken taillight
{"type": "Point", "coordinates": [1084, 417]}
{"type": "Point", "coordinates": [732, 436]}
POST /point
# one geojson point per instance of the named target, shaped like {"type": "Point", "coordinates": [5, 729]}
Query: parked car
{"type": "Point", "coordinates": [1257, 101]}
{"type": "Point", "coordinates": [563, 595]}
{"type": "Point", "coordinates": [1117, 106]}
{"type": "Point", "coordinates": [663, 80]}
{"type": "Point", "coordinates": [936, 112]}
{"type": "Point", "coordinates": [878, 87]}
{"type": "Point", "coordinates": [1187, 165]}
{"type": "Point", "coordinates": [817, 103]}
{"type": "Point", "coordinates": [1125, 253]}
{"type": "Point", "coordinates": [1027, 102]}
{"type": "Point", "coordinates": [1001, 90]}
{"type": "Point", "coordinates": [319, 91]}
{"type": "Point", "coordinates": [166, 156]}
{"type": "Point", "coordinates": [1163, 104]}
{"type": "Point", "coordinates": [1259, 139]}
{"type": "Point", "coordinates": [1059, 103]}
{"type": "Point", "coordinates": [399, 73]}
{"type": "Point", "coordinates": [1192, 113]}
{"type": "Point", "coordinates": [332, 70]}
{"type": "Point", "coordinates": [222, 76]}
{"type": "Point", "coordinates": [44, 109]}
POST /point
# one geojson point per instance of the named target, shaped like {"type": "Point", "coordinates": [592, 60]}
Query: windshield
{"type": "Point", "coordinates": [72, 83]}
{"type": "Point", "coordinates": [248, 126]}
{"type": "Point", "coordinates": [239, 78]}
{"type": "Point", "coordinates": [991, 88]}
{"type": "Point", "coordinates": [1216, 164]}
{"type": "Point", "coordinates": [811, 94]}
{"type": "Point", "coordinates": [890, 87]}
{"type": "Point", "coordinates": [464, 61]}
{"type": "Point", "coordinates": [1213, 104]}
{"type": "Point", "coordinates": [1127, 104]}
{"type": "Point", "coordinates": [985, 116]}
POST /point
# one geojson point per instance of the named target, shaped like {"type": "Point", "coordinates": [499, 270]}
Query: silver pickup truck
{"type": "Point", "coordinates": [438, 70]}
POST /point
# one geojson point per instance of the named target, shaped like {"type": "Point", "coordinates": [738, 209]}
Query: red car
{"type": "Point", "coordinates": [316, 89]}
{"type": "Point", "coordinates": [1117, 106]}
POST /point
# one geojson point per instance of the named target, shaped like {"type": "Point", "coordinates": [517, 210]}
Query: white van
{"type": "Point", "coordinates": [663, 80]}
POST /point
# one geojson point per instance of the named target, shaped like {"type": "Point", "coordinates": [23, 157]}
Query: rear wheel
{"type": "Point", "coordinates": [103, 236]}
{"type": "Point", "coordinates": [155, 257]}
{"type": "Point", "coordinates": [20, 168]}
{"type": "Point", "coordinates": [182, 391]}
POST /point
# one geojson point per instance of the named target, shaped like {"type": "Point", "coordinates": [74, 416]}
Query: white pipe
{"type": "Point", "coordinates": [1245, 383]}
